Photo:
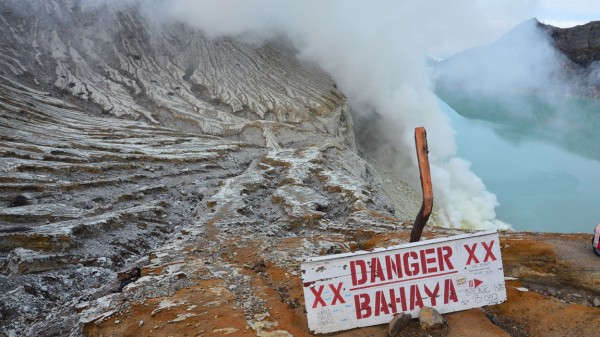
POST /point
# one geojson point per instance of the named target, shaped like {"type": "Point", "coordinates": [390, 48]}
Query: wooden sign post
{"type": "Point", "coordinates": [427, 189]}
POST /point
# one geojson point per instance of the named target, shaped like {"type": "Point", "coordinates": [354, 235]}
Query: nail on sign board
{"type": "Point", "coordinates": [346, 291]}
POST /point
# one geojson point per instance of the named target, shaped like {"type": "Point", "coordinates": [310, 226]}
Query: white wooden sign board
{"type": "Point", "coordinates": [351, 290]}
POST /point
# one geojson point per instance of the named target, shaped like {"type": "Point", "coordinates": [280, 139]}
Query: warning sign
{"type": "Point", "coordinates": [346, 291]}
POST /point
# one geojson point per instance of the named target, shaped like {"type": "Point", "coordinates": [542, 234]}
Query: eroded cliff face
{"type": "Point", "coordinates": [581, 45]}
{"type": "Point", "coordinates": [125, 140]}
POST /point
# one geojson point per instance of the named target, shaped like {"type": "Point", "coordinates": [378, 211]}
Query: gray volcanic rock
{"type": "Point", "coordinates": [125, 141]}
{"type": "Point", "coordinates": [580, 43]}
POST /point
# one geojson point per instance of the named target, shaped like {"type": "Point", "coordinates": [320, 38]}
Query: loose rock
{"type": "Point", "coordinates": [20, 200]}
{"type": "Point", "coordinates": [430, 319]}
{"type": "Point", "coordinates": [397, 324]}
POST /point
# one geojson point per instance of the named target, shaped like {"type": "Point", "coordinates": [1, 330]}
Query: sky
{"type": "Point", "coordinates": [567, 13]}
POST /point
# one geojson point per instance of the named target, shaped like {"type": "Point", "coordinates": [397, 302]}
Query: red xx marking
{"type": "Point", "coordinates": [336, 293]}
{"type": "Point", "coordinates": [471, 251]}
{"type": "Point", "coordinates": [318, 298]}
{"type": "Point", "coordinates": [488, 251]}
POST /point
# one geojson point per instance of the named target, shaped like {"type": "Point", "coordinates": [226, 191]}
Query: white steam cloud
{"type": "Point", "coordinates": [376, 53]}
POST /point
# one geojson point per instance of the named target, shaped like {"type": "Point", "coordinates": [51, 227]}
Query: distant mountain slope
{"type": "Point", "coordinates": [532, 57]}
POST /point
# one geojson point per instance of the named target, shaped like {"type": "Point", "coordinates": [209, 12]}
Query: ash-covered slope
{"type": "Point", "coordinates": [125, 65]}
{"type": "Point", "coordinates": [124, 141]}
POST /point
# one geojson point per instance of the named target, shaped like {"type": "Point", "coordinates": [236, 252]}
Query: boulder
{"type": "Point", "coordinates": [431, 320]}
{"type": "Point", "coordinates": [397, 324]}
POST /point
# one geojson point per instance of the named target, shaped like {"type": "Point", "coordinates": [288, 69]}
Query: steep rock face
{"type": "Point", "coordinates": [580, 43]}
{"type": "Point", "coordinates": [125, 140]}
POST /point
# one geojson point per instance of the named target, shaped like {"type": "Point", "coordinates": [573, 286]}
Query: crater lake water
{"type": "Point", "coordinates": [540, 156]}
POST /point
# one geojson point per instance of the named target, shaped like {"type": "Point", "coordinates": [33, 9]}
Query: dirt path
{"type": "Point", "coordinates": [578, 255]}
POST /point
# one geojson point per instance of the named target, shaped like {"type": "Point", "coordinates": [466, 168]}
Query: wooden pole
{"type": "Point", "coordinates": [425, 212]}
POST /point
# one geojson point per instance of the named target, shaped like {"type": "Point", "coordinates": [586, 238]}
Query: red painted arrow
{"type": "Point", "coordinates": [477, 282]}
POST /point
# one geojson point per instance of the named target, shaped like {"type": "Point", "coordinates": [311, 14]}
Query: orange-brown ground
{"type": "Point", "coordinates": [208, 308]}
{"type": "Point", "coordinates": [540, 315]}
{"type": "Point", "coordinates": [205, 309]}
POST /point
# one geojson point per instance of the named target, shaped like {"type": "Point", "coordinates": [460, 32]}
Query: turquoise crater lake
{"type": "Point", "coordinates": [539, 155]}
